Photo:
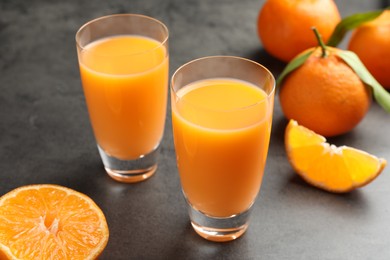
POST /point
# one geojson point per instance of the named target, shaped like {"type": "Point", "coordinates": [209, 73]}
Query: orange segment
{"type": "Point", "coordinates": [50, 222]}
{"type": "Point", "coordinates": [335, 169]}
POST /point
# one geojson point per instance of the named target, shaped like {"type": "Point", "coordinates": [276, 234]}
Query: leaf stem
{"type": "Point", "coordinates": [320, 42]}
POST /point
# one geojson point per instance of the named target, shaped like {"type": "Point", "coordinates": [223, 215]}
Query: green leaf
{"type": "Point", "coordinates": [380, 94]}
{"type": "Point", "coordinates": [349, 23]}
{"type": "Point", "coordinates": [293, 64]}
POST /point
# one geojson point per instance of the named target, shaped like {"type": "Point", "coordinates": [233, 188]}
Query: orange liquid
{"type": "Point", "coordinates": [125, 81]}
{"type": "Point", "coordinates": [221, 141]}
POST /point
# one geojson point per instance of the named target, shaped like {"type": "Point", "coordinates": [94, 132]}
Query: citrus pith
{"type": "Point", "coordinates": [51, 222]}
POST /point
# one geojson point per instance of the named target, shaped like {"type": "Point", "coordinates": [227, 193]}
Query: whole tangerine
{"type": "Point", "coordinates": [284, 26]}
{"type": "Point", "coordinates": [371, 42]}
{"type": "Point", "coordinates": [325, 95]}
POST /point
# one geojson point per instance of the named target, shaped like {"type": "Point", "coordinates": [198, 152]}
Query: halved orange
{"type": "Point", "coordinates": [50, 222]}
{"type": "Point", "coordinates": [334, 169]}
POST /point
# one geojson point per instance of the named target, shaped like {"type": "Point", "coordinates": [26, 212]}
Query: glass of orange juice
{"type": "Point", "coordinates": [123, 62]}
{"type": "Point", "coordinates": [222, 110]}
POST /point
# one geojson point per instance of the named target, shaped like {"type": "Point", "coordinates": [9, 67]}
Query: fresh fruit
{"type": "Point", "coordinates": [328, 90]}
{"type": "Point", "coordinates": [325, 94]}
{"type": "Point", "coordinates": [371, 42]}
{"type": "Point", "coordinates": [334, 169]}
{"type": "Point", "coordinates": [50, 222]}
{"type": "Point", "coordinates": [284, 26]}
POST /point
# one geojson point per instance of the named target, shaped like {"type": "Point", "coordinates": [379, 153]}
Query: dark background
{"type": "Point", "coordinates": [45, 137]}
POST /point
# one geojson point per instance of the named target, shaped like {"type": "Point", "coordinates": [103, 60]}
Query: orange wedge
{"type": "Point", "coordinates": [334, 169]}
{"type": "Point", "coordinates": [50, 222]}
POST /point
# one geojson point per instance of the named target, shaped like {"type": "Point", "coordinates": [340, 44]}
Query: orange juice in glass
{"type": "Point", "coordinates": [123, 62]}
{"type": "Point", "coordinates": [221, 114]}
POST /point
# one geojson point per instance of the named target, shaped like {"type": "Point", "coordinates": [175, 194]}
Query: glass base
{"type": "Point", "coordinates": [219, 229]}
{"type": "Point", "coordinates": [130, 171]}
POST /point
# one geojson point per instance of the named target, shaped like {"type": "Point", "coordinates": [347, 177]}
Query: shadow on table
{"type": "Point", "coordinates": [347, 204]}
{"type": "Point", "coordinates": [192, 246]}
{"type": "Point", "coordinates": [261, 56]}
{"type": "Point", "coordinates": [82, 175]}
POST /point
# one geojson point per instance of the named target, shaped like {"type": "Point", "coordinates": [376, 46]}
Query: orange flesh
{"type": "Point", "coordinates": [336, 169]}
{"type": "Point", "coordinates": [49, 221]}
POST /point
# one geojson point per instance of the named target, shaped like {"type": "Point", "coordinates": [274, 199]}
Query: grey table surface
{"type": "Point", "coordinates": [45, 137]}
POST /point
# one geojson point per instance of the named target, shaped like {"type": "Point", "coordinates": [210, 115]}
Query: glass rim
{"type": "Point", "coordinates": [269, 94]}
{"type": "Point", "coordinates": [161, 43]}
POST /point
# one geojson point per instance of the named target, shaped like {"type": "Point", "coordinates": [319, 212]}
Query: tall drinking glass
{"type": "Point", "coordinates": [123, 62]}
{"type": "Point", "coordinates": [222, 110]}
